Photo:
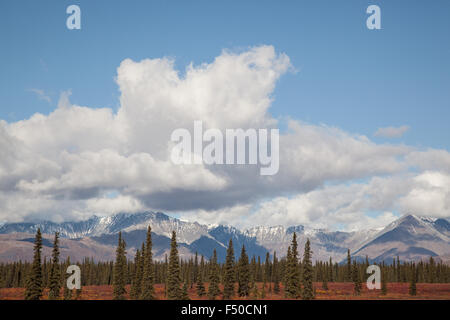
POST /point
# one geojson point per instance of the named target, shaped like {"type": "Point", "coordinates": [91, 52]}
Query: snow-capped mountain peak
{"type": "Point", "coordinates": [412, 235]}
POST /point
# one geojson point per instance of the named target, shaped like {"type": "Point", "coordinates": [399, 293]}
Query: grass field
{"type": "Point", "coordinates": [336, 291]}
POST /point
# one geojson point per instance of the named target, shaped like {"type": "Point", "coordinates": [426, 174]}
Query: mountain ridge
{"type": "Point", "coordinates": [410, 237]}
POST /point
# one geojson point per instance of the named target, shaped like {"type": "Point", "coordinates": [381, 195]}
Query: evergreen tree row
{"type": "Point", "coordinates": [294, 275]}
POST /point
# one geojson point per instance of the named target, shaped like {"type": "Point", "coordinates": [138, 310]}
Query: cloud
{"type": "Point", "coordinates": [41, 95]}
{"type": "Point", "coordinates": [60, 166]}
{"type": "Point", "coordinates": [106, 205]}
{"type": "Point", "coordinates": [429, 195]}
{"type": "Point", "coordinates": [344, 206]}
{"type": "Point", "coordinates": [431, 159]}
{"type": "Point", "coordinates": [391, 132]}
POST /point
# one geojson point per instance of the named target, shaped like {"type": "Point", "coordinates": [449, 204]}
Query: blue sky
{"type": "Point", "coordinates": [347, 83]}
{"type": "Point", "coordinates": [347, 76]}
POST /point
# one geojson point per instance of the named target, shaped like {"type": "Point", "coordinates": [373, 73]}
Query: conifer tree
{"type": "Point", "coordinates": [307, 275]}
{"type": "Point", "coordinates": [166, 272]}
{"type": "Point", "coordinates": [383, 283]}
{"type": "Point", "coordinates": [195, 270]}
{"type": "Point", "coordinates": [213, 290]}
{"type": "Point", "coordinates": [348, 275]}
{"type": "Point", "coordinates": [148, 276]}
{"type": "Point", "coordinates": [34, 288]}
{"type": "Point", "coordinates": [244, 274]}
{"type": "Point", "coordinates": [200, 286]}
{"type": "Point", "coordinates": [325, 277]}
{"type": "Point", "coordinates": [55, 276]}
{"type": "Point", "coordinates": [258, 270]}
{"type": "Point", "coordinates": [253, 271]}
{"type": "Point", "coordinates": [296, 273]}
{"type": "Point", "coordinates": [431, 270]}
{"type": "Point", "coordinates": [140, 271]}
{"type": "Point", "coordinates": [325, 284]}
{"type": "Point", "coordinates": [229, 276]}
{"type": "Point", "coordinates": [184, 292]}
{"type": "Point", "coordinates": [292, 287]}
{"type": "Point", "coordinates": [120, 270]}
{"type": "Point", "coordinates": [267, 269]}
{"type": "Point", "coordinates": [135, 291]}
{"type": "Point", "coordinates": [44, 269]}
{"type": "Point", "coordinates": [276, 281]}
{"type": "Point", "coordinates": [356, 279]}
{"type": "Point", "coordinates": [412, 284]}
{"type": "Point", "coordinates": [188, 272]}
{"type": "Point", "coordinates": [174, 277]}
{"type": "Point", "coordinates": [330, 271]}
{"type": "Point", "coordinates": [288, 290]}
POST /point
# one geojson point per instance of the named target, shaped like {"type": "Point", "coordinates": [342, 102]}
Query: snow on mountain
{"type": "Point", "coordinates": [324, 243]}
{"type": "Point", "coordinates": [410, 237]}
{"type": "Point", "coordinates": [161, 224]}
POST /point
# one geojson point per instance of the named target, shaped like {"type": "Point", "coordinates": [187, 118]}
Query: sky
{"type": "Point", "coordinates": [363, 113]}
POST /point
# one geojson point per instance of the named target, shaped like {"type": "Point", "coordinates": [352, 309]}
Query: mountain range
{"type": "Point", "coordinates": [410, 237]}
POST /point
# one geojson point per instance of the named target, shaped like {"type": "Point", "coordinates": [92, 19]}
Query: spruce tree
{"type": "Point", "coordinates": [34, 288]}
{"type": "Point", "coordinates": [431, 270]}
{"type": "Point", "coordinates": [383, 283]}
{"type": "Point", "coordinates": [55, 276]}
{"type": "Point", "coordinates": [292, 287]}
{"type": "Point", "coordinates": [289, 292]}
{"type": "Point", "coordinates": [324, 276]}
{"type": "Point", "coordinates": [44, 269]}
{"type": "Point", "coordinates": [200, 286]}
{"type": "Point", "coordinates": [412, 284]}
{"type": "Point", "coordinates": [213, 290]}
{"type": "Point", "coordinates": [244, 274]}
{"type": "Point", "coordinates": [258, 270]}
{"type": "Point", "coordinates": [267, 269]}
{"type": "Point", "coordinates": [136, 283]}
{"type": "Point", "coordinates": [356, 279]}
{"type": "Point", "coordinates": [276, 281]}
{"type": "Point", "coordinates": [297, 266]}
{"type": "Point", "coordinates": [330, 271]}
{"type": "Point", "coordinates": [174, 277]}
{"type": "Point", "coordinates": [253, 271]}
{"type": "Point", "coordinates": [148, 276]}
{"type": "Point", "coordinates": [120, 270]}
{"type": "Point", "coordinates": [307, 275]}
{"type": "Point", "coordinates": [229, 276]}
{"type": "Point", "coordinates": [195, 270]}
{"type": "Point", "coordinates": [296, 274]}
{"type": "Point", "coordinates": [184, 292]}
{"type": "Point", "coordinates": [325, 284]}
{"type": "Point", "coordinates": [166, 272]}
{"type": "Point", "coordinates": [348, 274]}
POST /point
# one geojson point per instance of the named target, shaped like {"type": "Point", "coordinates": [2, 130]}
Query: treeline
{"type": "Point", "coordinates": [292, 276]}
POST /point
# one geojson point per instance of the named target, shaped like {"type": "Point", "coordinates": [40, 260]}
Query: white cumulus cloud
{"type": "Point", "coordinates": [60, 166]}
